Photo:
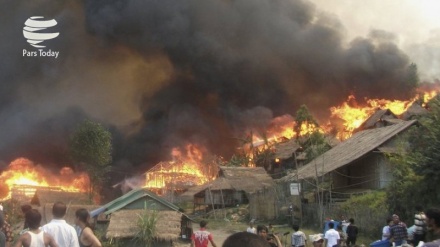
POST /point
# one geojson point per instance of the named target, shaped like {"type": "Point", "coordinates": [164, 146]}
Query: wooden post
{"type": "Point", "coordinates": [300, 192]}
{"type": "Point", "coordinates": [223, 204]}
{"type": "Point", "coordinates": [212, 202]}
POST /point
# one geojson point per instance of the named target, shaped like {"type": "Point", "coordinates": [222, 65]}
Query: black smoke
{"type": "Point", "coordinates": [183, 71]}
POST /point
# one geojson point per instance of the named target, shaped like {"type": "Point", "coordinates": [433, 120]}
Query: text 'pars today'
{"type": "Point", "coordinates": [40, 53]}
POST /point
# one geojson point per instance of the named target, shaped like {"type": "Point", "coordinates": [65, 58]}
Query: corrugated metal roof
{"type": "Point", "coordinates": [132, 196]}
{"type": "Point", "coordinates": [350, 150]}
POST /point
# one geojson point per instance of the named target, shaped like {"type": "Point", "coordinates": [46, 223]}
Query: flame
{"type": "Point", "coordinates": [354, 115]}
{"type": "Point", "coordinates": [23, 172]}
{"type": "Point", "coordinates": [283, 128]}
{"type": "Point", "coordinates": [186, 169]}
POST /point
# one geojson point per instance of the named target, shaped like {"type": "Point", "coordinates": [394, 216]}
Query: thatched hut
{"type": "Point", "coordinates": [238, 185]}
{"type": "Point", "coordinates": [124, 225]}
{"type": "Point", "coordinates": [143, 199]}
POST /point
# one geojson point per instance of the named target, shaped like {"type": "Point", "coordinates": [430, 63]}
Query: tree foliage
{"type": "Point", "coordinates": [412, 76]}
{"type": "Point", "coordinates": [312, 142]}
{"type": "Point", "coordinates": [91, 147]}
{"type": "Point", "coordinates": [416, 170]}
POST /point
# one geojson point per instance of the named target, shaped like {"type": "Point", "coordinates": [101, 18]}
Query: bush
{"type": "Point", "coordinates": [369, 212]}
{"type": "Point", "coordinates": [147, 227]}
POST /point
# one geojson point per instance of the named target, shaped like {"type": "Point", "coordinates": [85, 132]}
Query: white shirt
{"type": "Point", "coordinates": [386, 232]}
{"type": "Point", "coordinates": [63, 233]}
{"type": "Point", "coordinates": [332, 237]}
{"type": "Point", "coordinates": [252, 230]}
{"type": "Point", "coordinates": [37, 240]}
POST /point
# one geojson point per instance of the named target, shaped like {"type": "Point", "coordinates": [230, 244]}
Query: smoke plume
{"type": "Point", "coordinates": [164, 73]}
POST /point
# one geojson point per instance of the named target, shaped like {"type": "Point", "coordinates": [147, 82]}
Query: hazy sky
{"type": "Point", "coordinates": [415, 24]}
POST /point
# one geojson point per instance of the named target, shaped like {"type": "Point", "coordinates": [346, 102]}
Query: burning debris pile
{"type": "Point", "coordinates": [22, 178]}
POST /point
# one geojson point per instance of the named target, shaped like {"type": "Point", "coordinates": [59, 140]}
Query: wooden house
{"type": "Point", "coordinates": [358, 163]}
{"type": "Point", "coordinates": [237, 185]}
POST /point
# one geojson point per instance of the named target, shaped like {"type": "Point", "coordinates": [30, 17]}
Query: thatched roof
{"type": "Point", "coordinates": [379, 115]}
{"type": "Point", "coordinates": [41, 197]}
{"type": "Point", "coordinates": [350, 150]}
{"type": "Point", "coordinates": [414, 110]}
{"type": "Point", "coordinates": [220, 183]}
{"type": "Point", "coordinates": [284, 150]}
{"type": "Point", "coordinates": [123, 224]}
{"type": "Point", "coordinates": [70, 213]}
{"type": "Point", "coordinates": [247, 179]}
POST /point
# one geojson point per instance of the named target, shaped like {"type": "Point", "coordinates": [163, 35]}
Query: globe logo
{"type": "Point", "coordinates": [33, 30]}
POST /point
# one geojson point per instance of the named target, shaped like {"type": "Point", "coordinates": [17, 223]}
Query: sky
{"type": "Point", "coordinates": [415, 24]}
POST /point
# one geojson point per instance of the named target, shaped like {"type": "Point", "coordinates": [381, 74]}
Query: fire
{"type": "Point", "coordinates": [24, 172]}
{"type": "Point", "coordinates": [284, 127]}
{"type": "Point", "coordinates": [185, 169]}
{"type": "Point", "coordinates": [354, 115]}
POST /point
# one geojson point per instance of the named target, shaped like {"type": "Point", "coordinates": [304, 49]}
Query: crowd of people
{"type": "Point", "coordinates": [425, 233]}
{"type": "Point", "coordinates": [56, 233]}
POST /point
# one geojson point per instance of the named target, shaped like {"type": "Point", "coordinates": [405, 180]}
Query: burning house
{"type": "Point", "coordinates": [237, 185]}
{"type": "Point", "coordinates": [22, 179]}
{"type": "Point", "coordinates": [357, 164]}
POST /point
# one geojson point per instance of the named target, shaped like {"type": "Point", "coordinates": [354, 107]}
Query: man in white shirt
{"type": "Point", "coordinates": [331, 236]}
{"type": "Point", "coordinates": [63, 233]}
{"type": "Point", "coordinates": [251, 228]}
{"type": "Point", "coordinates": [386, 229]}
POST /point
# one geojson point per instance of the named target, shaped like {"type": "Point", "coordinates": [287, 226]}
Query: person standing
{"type": "Point", "coordinates": [298, 237]}
{"type": "Point", "coordinates": [420, 225]}
{"type": "Point", "coordinates": [251, 228]}
{"type": "Point", "coordinates": [344, 223]}
{"type": "Point", "coordinates": [64, 234]}
{"type": "Point", "coordinates": [35, 237]}
{"type": "Point", "coordinates": [86, 238]}
{"type": "Point", "coordinates": [386, 229]}
{"type": "Point", "coordinates": [433, 224]}
{"type": "Point", "coordinates": [202, 237]}
{"type": "Point", "coordinates": [398, 231]}
{"type": "Point", "coordinates": [352, 232]}
{"type": "Point", "coordinates": [331, 236]}
{"type": "Point", "coordinates": [272, 239]}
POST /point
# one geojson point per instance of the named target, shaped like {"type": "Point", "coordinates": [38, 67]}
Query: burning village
{"type": "Point", "coordinates": [235, 111]}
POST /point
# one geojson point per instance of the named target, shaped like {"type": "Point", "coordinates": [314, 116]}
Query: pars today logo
{"type": "Point", "coordinates": [37, 30]}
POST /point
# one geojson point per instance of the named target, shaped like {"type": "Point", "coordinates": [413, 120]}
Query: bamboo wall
{"type": "Point", "coordinates": [263, 204]}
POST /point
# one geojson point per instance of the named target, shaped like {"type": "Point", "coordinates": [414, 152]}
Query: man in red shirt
{"type": "Point", "coordinates": [202, 237]}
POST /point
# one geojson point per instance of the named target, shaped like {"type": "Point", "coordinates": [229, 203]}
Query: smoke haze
{"type": "Point", "coordinates": [161, 74]}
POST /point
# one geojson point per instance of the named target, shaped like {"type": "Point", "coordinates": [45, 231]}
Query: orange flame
{"type": "Point", "coordinates": [284, 127]}
{"type": "Point", "coordinates": [184, 170]}
{"type": "Point", "coordinates": [353, 115]}
{"type": "Point", "coordinates": [22, 171]}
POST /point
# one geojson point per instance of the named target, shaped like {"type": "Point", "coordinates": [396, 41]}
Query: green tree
{"type": "Point", "coordinates": [303, 116]}
{"type": "Point", "coordinates": [412, 76]}
{"type": "Point", "coordinates": [416, 169]}
{"type": "Point", "coordinates": [313, 142]}
{"type": "Point", "coordinates": [91, 147]}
